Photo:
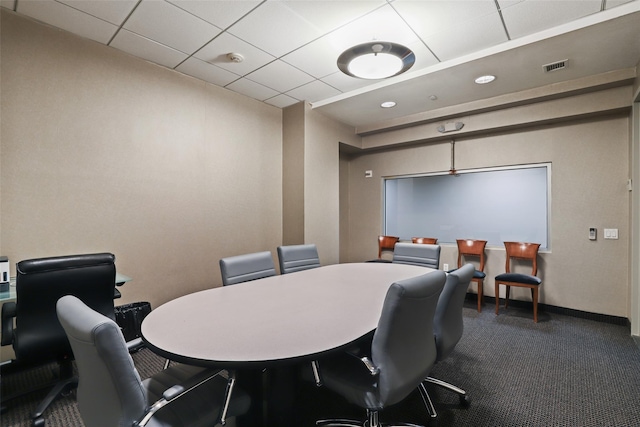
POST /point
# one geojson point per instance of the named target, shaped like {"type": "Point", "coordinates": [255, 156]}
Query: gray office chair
{"type": "Point", "coordinates": [242, 268]}
{"type": "Point", "coordinates": [30, 324]}
{"type": "Point", "coordinates": [424, 255]}
{"type": "Point", "coordinates": [110, 392]}
{"type": "Point", "coordinates": [401, 354]}
{"type": "Point", "coordinates": [297, 257]}
{"type": "Point", "coordinates": [448, 322]}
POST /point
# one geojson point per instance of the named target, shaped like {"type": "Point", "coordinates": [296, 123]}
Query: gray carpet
{"type": "Point", "coordinates": [563, 371]}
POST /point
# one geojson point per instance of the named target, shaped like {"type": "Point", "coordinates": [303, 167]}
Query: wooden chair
{"type": "Point", "coordinates": [520, 251]}
{"type": "Point", "coordinates": [424, 240]}
{"type": "Point", "coordinates": [473, 248]}
{"type": "Point", "coordinates": [386, 243]}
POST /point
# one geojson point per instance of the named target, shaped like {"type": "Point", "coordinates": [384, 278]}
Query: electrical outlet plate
{"type": "Point", "coordinates": [445, 267]}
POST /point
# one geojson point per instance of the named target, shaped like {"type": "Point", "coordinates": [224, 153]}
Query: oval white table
{"type": "Point", "coordinates": [279, 322]}
{"type": "Point", "coordinates": [276, 319]}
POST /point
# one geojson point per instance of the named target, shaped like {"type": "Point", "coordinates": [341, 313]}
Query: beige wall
{"type": "Point", "coordinates": [589, 174]}
{"type": "Point", "coordinates": [293, 174]}
{"type": "Point", "coordinates": [105, 152]}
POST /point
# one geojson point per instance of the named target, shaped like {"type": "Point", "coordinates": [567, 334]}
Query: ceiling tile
{"type": "Point", "coordinates": [318, 58]}
{"type": "Point", "coordinates": [613, 3]}
{"type": "Point", "coordinates": [528, 17]}
{"type": "Point", "coordinates": [165, 23]}
{"type": "Point", "coordinates": [452, 29]}
{"type": "Point", "coordinates": [281, 101]}
{"type": "Point", "coordinates": [67, 18]}
{"type": "Point", "coordinates": [382, 24]}
{"type": "Point", "coordinates": [112, 11]}
{"type": "Point", "coordinates": [207, 72]}
{"type": "Point", "coordinates": [147, 49]}
{"type": "Point", "coordinates": [280, 76]}
{"type": "Point", "coordinates": [216, 53]}
{"type": "Point", "coordinates": [429, 17]}
{"type": "Point", "coordinates": [328, 15]}
{"type": "Point", "coordinates": [472, 36]}
{"type": "Point", "coordinates": [220, 13]}
{"type": "Point", "coordinates": [252, 89]}
{"type": "Point", "coordinates": [275, 28]}
{"type": "Point", "coordinates": [346, 83]}
{"type": "Point", "coordinates": [314, 91]}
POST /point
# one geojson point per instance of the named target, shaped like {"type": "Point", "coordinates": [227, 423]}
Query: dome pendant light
{"type": "Point", "coordinates": [376, 60]}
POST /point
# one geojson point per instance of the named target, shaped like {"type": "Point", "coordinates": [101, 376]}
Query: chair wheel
{"type": "Point", "coordinates": [433, 422]}
{"type": "Point", "coordinates": [37, 422]}
{"type": "Point", "coordinates": [465, 400]}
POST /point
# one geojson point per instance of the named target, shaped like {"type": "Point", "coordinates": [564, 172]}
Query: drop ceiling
{"type": "Point", "coordinates": [290, 48]}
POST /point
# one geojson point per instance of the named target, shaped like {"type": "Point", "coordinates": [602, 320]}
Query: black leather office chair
{"type": "Point", "coordinates": [38, 338]}
{"type": "Point", "coordinates": [111, 393]}
{"type": "Point", "coordinates": [243, 268]}
{"type": "Point", "coordinates": [448, 323]}
{"type": "Point", "coordinates": [424, 255]}
{"type": "Point", "coordinates": [401, 356]}
{"type": "Point", "coordinates": [297, 258]}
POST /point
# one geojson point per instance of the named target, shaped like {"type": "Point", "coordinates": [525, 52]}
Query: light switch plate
{"type": "Point", "coordinates": [610, 233]}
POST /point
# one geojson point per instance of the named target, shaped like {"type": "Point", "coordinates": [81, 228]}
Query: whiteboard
{"type": "Point", "coordinates": [497, 205]}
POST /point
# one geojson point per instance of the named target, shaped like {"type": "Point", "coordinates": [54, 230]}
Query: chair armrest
{"type": "Point", "coordinates": [8, 314]}
{"type": "Point", "coordinates": [175, 392]}
{"type": "Point", "coordinates": [368, 363]}
{"type": "Point", "coordinates": [373, 369]}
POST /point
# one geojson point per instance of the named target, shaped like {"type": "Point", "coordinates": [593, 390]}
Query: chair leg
{"type": "Point", "coordinates": [227, 397]}
{"type": "Point", "coordinates": [497, 298]}
{"type": "Point", "coordinates": [506, 299]}
{"type": "Point", "coordinates": [316, 373]}
{"type": "Point", "coordinates": [480, 295]}
{"type": "Point", "coordinates": [428, 404]}
{"type": "Point", "coordinates": [462, 395]}
{"type": "Point", "coordinates": [534, 297]}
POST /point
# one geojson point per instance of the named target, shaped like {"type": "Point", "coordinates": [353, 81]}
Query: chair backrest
{"type": "Point", "coordinates": [470, 247]}
{"type": "Point", "coordinates": [401, 349]}
{"type": "Point", "coordinates": [297, 257]}
{"type": "Point", "coordinates": [110, 392]}
{"type": "Point", "coordinates": [243, 268]}
{"type": "Point", "coordinates": [424, 240]}
{"type": "Point", "coordinates": [424, 255]}
{"type": "Point", "coordinates": [386, 243]}
{"type": "Point", "coordinates": [522, 250]}
{"type": "Point", "coordinates": [448, 321]}
{"type": "Point", "coordinates": [38, 335]}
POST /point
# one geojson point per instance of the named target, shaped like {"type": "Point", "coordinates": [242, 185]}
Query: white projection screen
{"type": "Point", "coordinates": [497, 205]}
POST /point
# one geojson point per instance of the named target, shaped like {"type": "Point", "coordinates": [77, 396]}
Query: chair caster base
{"type": "Point", "coordinates": [37, 422]}
{"type": "Point", "coordinates": [465, 400]}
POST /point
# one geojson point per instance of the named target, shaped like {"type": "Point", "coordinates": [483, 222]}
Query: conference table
{"type": "Point", "coordinates": [277, 321]}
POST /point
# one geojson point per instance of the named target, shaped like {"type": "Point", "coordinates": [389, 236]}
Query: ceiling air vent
{"type": "Point", "coordinates": [555, 66]}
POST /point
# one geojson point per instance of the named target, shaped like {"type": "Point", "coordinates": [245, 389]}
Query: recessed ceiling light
{"type": "Point", "coordinates": [485, 79]}
{"type": "Point", "coordinates": [388, 104]}
{"type": "Point", "coordinates": [376, 60]}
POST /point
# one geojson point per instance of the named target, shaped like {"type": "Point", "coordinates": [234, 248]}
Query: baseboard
{"type": "Point", "coordinates": [604, 318]}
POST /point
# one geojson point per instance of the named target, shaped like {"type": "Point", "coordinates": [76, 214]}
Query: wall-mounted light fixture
{"type": "Point", "coordinates": [376, 60]}
{"type": "Point", "coordinates": [450, 127]}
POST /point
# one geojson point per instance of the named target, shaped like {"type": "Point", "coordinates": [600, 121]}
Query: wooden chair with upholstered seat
{"type": "Point", "coordinates": [386, 243]}
{"type": "Point", "coordinates": [520, 251]}
{"type": "Point", "coordinates": [424, 240]}
{"type": "Point", "coordinates": [474, 248]}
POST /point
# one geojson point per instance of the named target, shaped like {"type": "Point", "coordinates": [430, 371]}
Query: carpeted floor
{"type": "Point", "coordinates": [562, 371]}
